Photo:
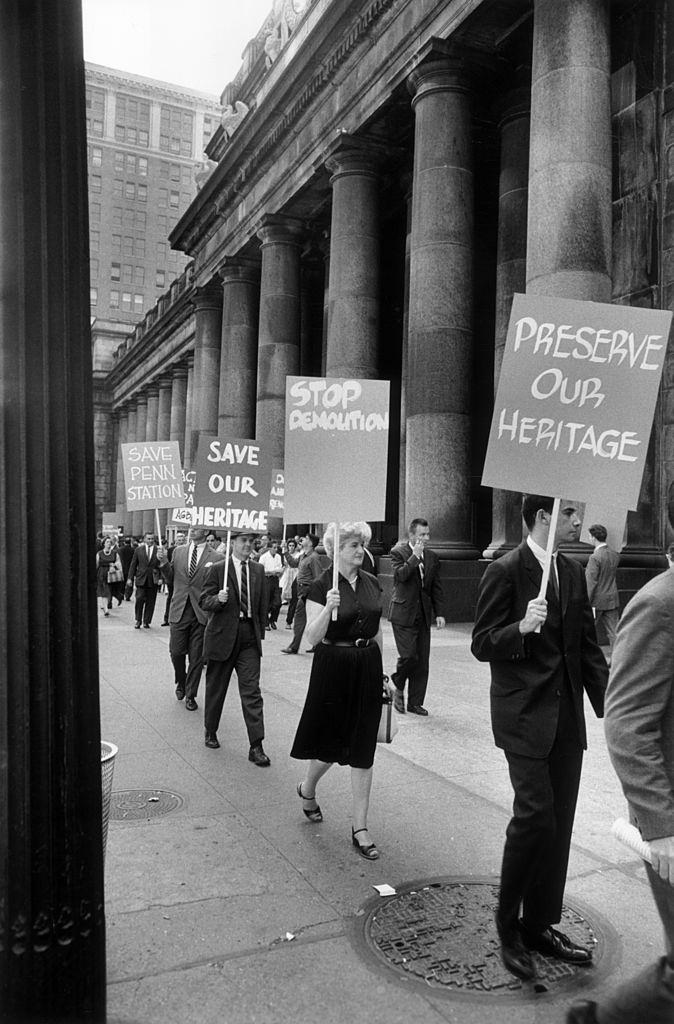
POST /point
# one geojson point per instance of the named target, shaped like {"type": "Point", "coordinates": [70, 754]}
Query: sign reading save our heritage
{"type": "Point", "coordinates": [336, 449]}
{"type": "Point", "coordinates": [576, 398]}
{"type": "Point", "coordinates": [232, 484]}
{"type": "Point", "coordinates": [152, 475]}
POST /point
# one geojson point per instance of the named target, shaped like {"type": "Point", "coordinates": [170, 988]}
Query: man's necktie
{"type": "Point", "coordinates": [193, 561]}
{"type": "Point", "coordinates": [244, 589]}
{"type": "Point", "coordinates": [421, 571]}
{"type": "Point", "coordinates": [554, 579]}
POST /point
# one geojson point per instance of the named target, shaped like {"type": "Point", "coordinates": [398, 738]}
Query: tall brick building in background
{"type": "Point", "coordinates": [145, 141]}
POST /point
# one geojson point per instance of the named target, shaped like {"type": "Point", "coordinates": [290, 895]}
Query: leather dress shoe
{"type": "Point", "coordinates": [399, 701]}
{"type": "Point", "coordinates": [552, 943]}
{"type": "Point", "coordinates": [515, 956]}
{"type": "Point", "coordinates": [180, 693]}
{"type": "Point", "coordinates": [288, 650]}
{"type": "Point", "coordinates": [191, 704]}
{"type": "Point", "coordinates": [136, 625]}
{"type": "Point", "coordinates": [582, 1012]}
{"type": "Point", "coordinates": [257, 755]}
{"type": "Point", "coordinates": [211, 740]}
{"type": "Point", "coordinates": [146, 625]}
{"type": "Point", "coordinates": [164, 623]}
{"type": "Point", "coordinates": [416, 709]}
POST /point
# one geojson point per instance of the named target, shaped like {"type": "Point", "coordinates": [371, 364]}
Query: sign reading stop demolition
{"type": "Point", "coordinates": [232, 485]}
{"type": "Point", "coordinates": [576, 398]}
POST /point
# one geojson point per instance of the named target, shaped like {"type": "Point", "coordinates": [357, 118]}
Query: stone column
{"type": "Point", "coordinates": [120, 491]}
{"type": "Point", "coordinates": [238, 354]}
{"type": "Point", "coordinates": [353, 304]}
{"type": "Point", "coordinates": [178, 403]}
{"type": "Point", "coordinates": [279, 329]}
{"type": "Point", "coordinates": [149, 517]}
{"type": "Point", "coordinates": [52, 921]}
{"type": "Point", "coordinates": [130, 436]}
{"type": "Point", "coordinates": [437, 378]}
{"type": "Point", "coordinates": [311, 316]}
{"type": "Point", "coordinates": [164, 429]}
{"type": "Point", "coordinates": [569, 229]}
{"type": "Point", "coordinates": [403, 524]}
{"type": "Point", "coordinates": [207, 304]}
{"type": "Point", "coordinates": [141, 428]}
{"type": "Point", "coordinates": [188, 410]}
{"type": "Point", "coordinates": [510, 278]}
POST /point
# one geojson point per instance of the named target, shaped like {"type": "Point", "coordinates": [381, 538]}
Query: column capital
{"type": "Point", "coordinates": [179, 371]}
{"type": "Point", "coordinates": [243, 269]}
{"type": "Point", "coordinates": [152, 390]}
{"type": "Point", "coordinates": [442, 66]}
{"type": "Point", "coordinates": [165, 381]}
{"type": "Point", "coordinates": [351, 154]}
{"type": "Point", "coordinates": [278, 228]}
{"type": "Point", "coordinates": [207, 296]}
{"type": "Point", "coordinates": [140, 398]}
{"type": "Point", "coordinates": [189, 361]}
{"type": "Point", "coordinates": [512, 105]}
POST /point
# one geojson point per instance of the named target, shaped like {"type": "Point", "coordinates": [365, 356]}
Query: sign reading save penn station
{"type": "Point", "coordinates": [576, 398]}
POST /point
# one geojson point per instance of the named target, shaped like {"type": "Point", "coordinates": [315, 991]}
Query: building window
{"type": "Point", "coordinates": [96, 156]}
{"type": "Point", "coordinates": [129, 190]}
{"type": "Point", "coordinates": [116, 245]}
{"type": "Point", "coordinates": [95, 183]}
{"type": "Point", "coordinates": [175, 172]}
{"type": "Point", "coordinates": [176, 130]}
{"type": "Point", "coordinates": [130, 163]}
{"type": "Point", "coordinates": [128, 245]}
{"type": "Point", "coordinates": [96, 127]}
{"type": "Point", "coordinates": [95, 105]}
{"type": "Point", "coordinates": [129, 217]}
{"type": "Point", "coordinates": [115, 271]}
{"type": "Point", "coordinates": [160, 279]}
{"type": "Point", "coordinates": [161, 252]}
{"type": "Point", "coordinates": [119, 162]}
{"type": "Point", "coordinates": [162, 224]}
{"type": "Point", "coordinates": [174, 200]}
{"type": "Point", "coordinates": [93, 268]}
{"type": "Point", "coordinates": [142, 193]}
{"type": "Point", "coordinates": [141, 219]}
{"type": "Point", "coordinates": [93, 296]}
{"type": "Point", "coordinates": [139, 247]}
{"type": "Point", "coordinates": [139, 276]}
{"type": "Point", "coordinates": [94, 241]}
{"type": "Point", "coordinates": [142, 166]}
{"type": "Point", "coordinates": [95, 211]}
{"type": "Point", "coordinates": [132, 120]}
{"type": "Point", "coordinates": [127, 273]}
{"type": "Point", "coordinates": [117, 216]}
{"type": "Point", "coordinates": [208, 131]}
{"type": "Point", "coordinates": [114, 300]}
{"type": "Point", "coordinates": [117, 187]}
{"type": "Point", "coordinates": [187, 175]}
{"type": "Point", "coordinates": [143, 138]}
{"type": "Point", "coordinates": [126, 301]}
{"type": "Point", "coordinates": [163, 197]}
{"type": "Point", "coordinates": [138, 303]}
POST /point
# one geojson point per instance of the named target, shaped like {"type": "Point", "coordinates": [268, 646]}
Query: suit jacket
{"type": "Point", "coordinates": [143, 571]}
{"type": "Point", "coordinates": [602, 589]}
{"type": "Point", "coordinates": [223, 619]}
{"type": "Point", "coordinates": [408, 590]}
{"type": "Point", "coordinates": [528, 672]}
{"type": "Point", "coordinates": [640, 706]}
{"type": "Point", "coordinates": [176, 572]}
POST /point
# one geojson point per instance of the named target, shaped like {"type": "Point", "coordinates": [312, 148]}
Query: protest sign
{"type": "Point", "coordinates": [276, 493]}
{"type": "Point", "coordinates": [183, 516]}
{"type": "Point", "coordinates": [336, 449]}
{"type": "Point", "coordinates": [111, 524]}
{"type": "Point", "coordinates": [152, 475]}
{"type": "Point", "coordinates": [576, 398]}
{"type": "Point", "coordinates": [613, 518]}
{"type": "Point", "coordinates": [232, 485]}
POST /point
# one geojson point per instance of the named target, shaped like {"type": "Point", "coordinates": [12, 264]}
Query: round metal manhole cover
{"type": "Point", "coordinates": [130, 804]}
{"type": "Point", "coordinates": [442, 933]}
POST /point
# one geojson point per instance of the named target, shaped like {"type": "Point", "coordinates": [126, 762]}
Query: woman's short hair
{"type": "Point", "coordinates": [346, 532]}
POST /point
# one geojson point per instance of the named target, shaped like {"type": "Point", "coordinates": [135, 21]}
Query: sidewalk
{"type": "Point", "coordinates": [200, 901]}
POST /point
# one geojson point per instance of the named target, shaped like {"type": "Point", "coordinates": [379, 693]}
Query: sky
{"type": "Point", "coordinates": [194, 43]}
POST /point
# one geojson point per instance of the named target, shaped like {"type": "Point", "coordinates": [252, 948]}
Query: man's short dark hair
{"type": "Point", "coordinates": [599, 532]}
{"type": "Point", "coordinates": [531, 503]}
{"type": "Point", "coordinates": [670, 550]}
{"type": "Point", "coordinates": [314, 539]}
{"type": "Point", "coordinates": [417, 522]}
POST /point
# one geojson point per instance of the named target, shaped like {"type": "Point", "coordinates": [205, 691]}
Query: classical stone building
{"type": "Point", "coordinates": [387, 174]}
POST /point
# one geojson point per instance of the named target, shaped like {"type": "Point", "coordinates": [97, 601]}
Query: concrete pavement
{"type": "Point", "coordinates": [200, 902]}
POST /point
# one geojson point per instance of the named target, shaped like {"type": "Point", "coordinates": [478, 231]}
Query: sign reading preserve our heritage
{"type": "Point", "coordinates": [232, 484]}
{"type": "Point", "coordinates": [576, 398]}
{"type": "Point", "coordinates": [153, 475]}
{"type": "Point", "coordinates": [336, 449]}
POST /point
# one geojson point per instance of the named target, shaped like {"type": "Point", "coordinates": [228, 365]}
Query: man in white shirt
{"type": "Point", "coordinates": [272, 563]}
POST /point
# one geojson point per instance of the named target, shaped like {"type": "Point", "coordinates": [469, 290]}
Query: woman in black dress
{"type": "Point", "coordinates": [105, 560]}
{"type": "Point", "coordinates": [343, 705]}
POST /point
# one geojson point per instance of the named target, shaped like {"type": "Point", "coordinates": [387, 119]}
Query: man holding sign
{"type": "Point", "coordinates": [542, 653]}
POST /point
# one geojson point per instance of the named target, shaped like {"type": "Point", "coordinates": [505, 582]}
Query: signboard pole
{"type": "Point", "coordinates": [554, 516]}
{"type": "Point", "coordinates": [335, 566]}
{"type": "Point", "coordinates": [229, 540]}
{"type": "Point", "coordinates": [156, 519]}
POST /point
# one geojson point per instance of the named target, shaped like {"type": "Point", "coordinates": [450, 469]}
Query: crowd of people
{"type": "Point", "coordinates": [545, 649]}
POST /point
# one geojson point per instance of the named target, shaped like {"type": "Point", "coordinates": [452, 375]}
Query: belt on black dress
{"type": "Point", "coordinates": [360, 642]}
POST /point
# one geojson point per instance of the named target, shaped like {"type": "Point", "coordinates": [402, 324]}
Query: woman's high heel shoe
{"type": "Point", "coordinates": [369, 852]}
{"type": "Point", "coordinates": [314, 815]}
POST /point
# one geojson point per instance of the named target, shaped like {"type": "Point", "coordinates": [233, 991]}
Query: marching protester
{"type": "Point", "coordinates": [145, 573]}
{"type": "Point", "coordinates": [116, 576]}
{"type": "Point", "coordinates": [107, 559]}
{"type": "Point", "coordinates": [289, 579]}
{"type": "Point", "coordinates": [272, 563]}
{"type": "Point", "coordinates": [185, 574]}
{"type": "Point", "coordinates": [180, 539]}
{"type": "Point", "coordinates": [309, 568]}
{"type": "Point", "coordinates": [417, 597]}
{"type": "Point", "coordinates": [237, 618]}
{"type": "Point", "coordinates": [602, 589]}
{"type": "Point", "coordinates": [341, 713]}
{"type": "Point", "coordinates": [537, 683]}
{"type": "Point", "coordinates": [640, 735]}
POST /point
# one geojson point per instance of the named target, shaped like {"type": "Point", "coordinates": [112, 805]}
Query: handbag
{"type": "Point", "coordinates": [115, 572]}
{"type": "Point", "coordinates": [388, 726]}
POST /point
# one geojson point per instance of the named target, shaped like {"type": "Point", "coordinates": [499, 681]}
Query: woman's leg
{"type": "Point", "coordinates": [314, 773]}
{"type": "Point", "coordinates": [361, 784]}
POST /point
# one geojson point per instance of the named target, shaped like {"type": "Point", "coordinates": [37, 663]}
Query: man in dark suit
{"type": "Point", "coordinates": [237, 618]}
{"type": "Point", "coordinates": [640, 737]}
{"type": "Point", "coordinates": [602, 589]}
{"type": "Point", "coordinates": [416, 598]}
{"type": "Point", "coordinates": [537, 682]}
{"type": "Point", "coordinates": [185, 574]}
{"type": "Point", "coordinates": [145, 572]}
{"type": "Point", "coordinates": [180, 539]}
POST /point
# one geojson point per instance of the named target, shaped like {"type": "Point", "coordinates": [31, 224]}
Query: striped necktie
{"type": "Point", "coordinates": [193, 561]}
{"type": "Point", "coordinates": [244, 589]}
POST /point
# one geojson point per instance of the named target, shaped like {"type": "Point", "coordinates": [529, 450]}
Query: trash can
{"type": "Point", "coordinates": [108, 753]}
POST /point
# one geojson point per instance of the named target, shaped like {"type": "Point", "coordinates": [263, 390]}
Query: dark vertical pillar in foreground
{"type": "Point", "coordinates": [52, 937]}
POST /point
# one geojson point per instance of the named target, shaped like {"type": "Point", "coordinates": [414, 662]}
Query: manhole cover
{"type": "Point", "coordinates": [442, 933]}
{"type": "Point", "coordinates": [126, 804]}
